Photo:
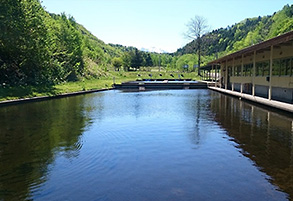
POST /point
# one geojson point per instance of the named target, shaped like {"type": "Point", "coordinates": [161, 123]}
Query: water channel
{"type": "Point", "coordinates": [155, 145]}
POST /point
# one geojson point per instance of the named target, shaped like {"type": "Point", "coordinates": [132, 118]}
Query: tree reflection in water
{"type": "Point", "coordinates": [33, 134]}
{"type": "Point", "coordinates": [265, 136]}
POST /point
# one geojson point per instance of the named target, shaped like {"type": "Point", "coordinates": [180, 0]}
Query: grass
{"type": "Point", "coordinates": [12, 93]}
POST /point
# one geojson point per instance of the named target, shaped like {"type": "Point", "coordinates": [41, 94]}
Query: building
{"type": "Point", "coordinates": [262, 73]}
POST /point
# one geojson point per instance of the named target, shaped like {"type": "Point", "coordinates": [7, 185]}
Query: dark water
{"type": "Point", "coordinates": [160, 145]}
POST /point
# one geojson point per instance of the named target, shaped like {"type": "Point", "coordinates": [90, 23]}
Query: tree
{"type": "Point", "coordinates": [196, 28]}
{"type": "Point", "coordinates": [126, 58]}
{"type": "Point", "coordinates": [24, 54]}
{"type": "Point", "coordinates": [68, 48]}
{"type": "Point", "coordinates": [117, 63]}
{"type": "Point", "coordinates": [136, 58]}
{"type": "Point", "coordinates": [187, 59]}
{"type": "Point", "coordinates": [147, 59]}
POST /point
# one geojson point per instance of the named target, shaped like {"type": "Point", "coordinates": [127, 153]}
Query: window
{"type": "Point", "coordinates": [230, 70]}
{"type": "Point", "coordinates": [283, 67]}
{"type": "Point", "coordinates": [247, 69]}
{"type": "Point", "coordinates": [266, 68]}
{"type": "Point", "coordinates": [237, 70]}
{"type": "Point", "coordinates": [262, 68]}
{"type": "Point", "coordinates": [276, 67]}
{"type": "Point", "coordinates": [258, 69]}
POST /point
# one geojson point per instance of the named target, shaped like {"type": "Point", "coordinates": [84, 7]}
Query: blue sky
{"type": "Point", "coordinates": [157, 24]}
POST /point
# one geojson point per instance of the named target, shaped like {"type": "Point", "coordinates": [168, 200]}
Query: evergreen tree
{"type": "Point", "coordinates": [136, 59]}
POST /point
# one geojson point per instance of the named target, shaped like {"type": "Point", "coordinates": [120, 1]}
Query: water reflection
{"type": "Point", "coordinates": [31, 136]}
{"type": "Point", "coordinates": [160, 145]}
{"type": "Point", "coordinates": [190, 107]}
{"type": "Point", "coordinates": [266, 137]}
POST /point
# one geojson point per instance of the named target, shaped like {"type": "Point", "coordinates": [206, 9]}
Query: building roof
{"type": "Point", "coordinates": [282, 39]}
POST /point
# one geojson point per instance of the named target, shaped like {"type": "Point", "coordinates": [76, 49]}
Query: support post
{"type": "Point", "coordinates": [221, 75]}
{"type": "Point", "coordinates": [271, 73]}
{"type": "Point", "coordinates": [233, 72]}
{"type": "Point", "coordinates": [226, 75]}
{"type": "Point", "coordinates": [253, 73]}
{"type": "Point", "coordinates": [216, 75]}
{"type": "Point", "coordinates": [241, 74]}
{"type": "Point", "coordinates": [213, 74]}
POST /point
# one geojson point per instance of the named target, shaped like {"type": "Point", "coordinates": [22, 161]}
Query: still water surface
{"type": "Point", "coordinates": [159, 145]}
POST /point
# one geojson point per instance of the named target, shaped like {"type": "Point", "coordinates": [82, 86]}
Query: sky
{"type": "Point", "coordinates": [157, 25]}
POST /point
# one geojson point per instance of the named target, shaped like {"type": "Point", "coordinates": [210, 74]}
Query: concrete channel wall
{"type": "Point", "coordinates": [160, 85]}
{"type": "Point", "coordinates": [42, 98]}
{"type": "Point", "coordinates": [271, 103]}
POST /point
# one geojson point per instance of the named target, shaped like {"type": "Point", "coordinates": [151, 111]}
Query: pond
{"type": "Point", "coordinates": [155, 145]}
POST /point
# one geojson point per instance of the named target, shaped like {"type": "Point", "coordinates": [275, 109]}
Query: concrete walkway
{"type": "Point", "coordinates": [271, 103]}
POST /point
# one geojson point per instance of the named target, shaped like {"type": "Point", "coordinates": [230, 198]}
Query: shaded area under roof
{"type": "Point", "coordinates": [210, 66]}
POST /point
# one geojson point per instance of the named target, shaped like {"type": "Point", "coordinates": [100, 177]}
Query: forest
{"type": "Point", "coordinates": [243, 34]}
{"type": "Point", "coordinates": [41, 48]}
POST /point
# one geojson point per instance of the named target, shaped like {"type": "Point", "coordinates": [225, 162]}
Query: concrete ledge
{"type": "Point", "coordinates": [271, 103]}
{"type": "Point", "coordinates": [42, 98]}
{"type": "Point", "coordinates": [161, 85]}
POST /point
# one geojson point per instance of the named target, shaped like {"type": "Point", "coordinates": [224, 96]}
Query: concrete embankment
{"type": "Point", "coordinates": [161, 85]}
{"type": "Point", "coordinates": [42, 98]}
{"type": "Point", "coordinates": [271, 103]}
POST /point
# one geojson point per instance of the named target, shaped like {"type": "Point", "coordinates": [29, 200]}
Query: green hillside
{"type": "Point", "coordinates": [42, 49]}
{"type": "Point", "coordinates": [243, 34]}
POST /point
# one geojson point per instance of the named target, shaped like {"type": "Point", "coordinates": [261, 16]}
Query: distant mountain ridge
{"type": "Point", "coordinates": [154, 49]}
